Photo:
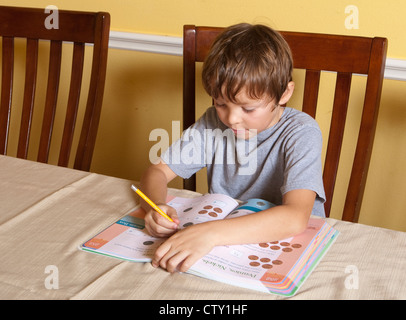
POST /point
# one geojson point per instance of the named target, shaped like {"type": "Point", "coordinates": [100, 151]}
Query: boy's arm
{"type": "Point", "coordinates": [277, 223]}
{"type": "Point", "coordinates": [185, 247]}
{"type": "Point", "coordinates": [154, 184]}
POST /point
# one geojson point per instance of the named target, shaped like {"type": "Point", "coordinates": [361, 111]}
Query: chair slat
{"type": "Point", "coordinates": [335, 140]}
{"type": "Point", "coordinates": [29, 94]}
{"type": "Point", "coordinates": [73, 103]}
{"type": "Point", "coordinates": [311, 92]}
{"type": "Point", "coordinates": [6, 90]}
{"type": "Point", "coordinates": [51, 100]}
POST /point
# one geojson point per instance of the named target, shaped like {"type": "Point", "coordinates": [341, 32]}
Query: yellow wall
{"type": "Point", "coordinates": [143, 90]}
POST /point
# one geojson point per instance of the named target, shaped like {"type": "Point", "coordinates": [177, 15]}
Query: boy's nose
{"type": "Point", "coordinates": [233, 117]}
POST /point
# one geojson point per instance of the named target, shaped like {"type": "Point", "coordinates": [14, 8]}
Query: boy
{"type": "Point", "coordinates": [248, 75]}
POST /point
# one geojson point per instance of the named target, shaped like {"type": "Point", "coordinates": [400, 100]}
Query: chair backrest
{"type": "Point", "coordinates": [79, 28]}
{"type": "Point", "coordinates": [344, 55]}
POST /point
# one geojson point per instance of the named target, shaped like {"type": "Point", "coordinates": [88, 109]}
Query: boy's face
{"type": "Point", "coordinates": [248, 116]}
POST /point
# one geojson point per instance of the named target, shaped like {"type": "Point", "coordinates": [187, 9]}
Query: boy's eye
{"type": "Point", "coordinates": [219, 105]}
{"type": "Point", "coordinates": [248, 110]}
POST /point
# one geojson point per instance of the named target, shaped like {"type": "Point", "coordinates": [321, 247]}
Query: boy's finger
{"type": "Point", "coordinates": [164, 222]}
{"type": "Point", "coordinates": [159, 254]}
{"type": "Point", "coordinates": [174, 215]}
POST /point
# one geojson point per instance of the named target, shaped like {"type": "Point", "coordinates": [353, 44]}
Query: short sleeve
{"type": "Point", "coordinates": [303, 168]}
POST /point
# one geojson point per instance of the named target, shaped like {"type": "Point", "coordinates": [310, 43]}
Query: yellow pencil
{"type": "Point", "coordinates": [148, 200]}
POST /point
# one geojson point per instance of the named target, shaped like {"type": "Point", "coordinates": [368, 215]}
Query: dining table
{"type": "Point", "coordinates": [47, 212]}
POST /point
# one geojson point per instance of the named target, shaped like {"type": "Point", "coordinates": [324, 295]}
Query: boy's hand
{"type": "Point", "coordinates": [159, 226]}
{"type": "Point", "coordinates": [184, 248]}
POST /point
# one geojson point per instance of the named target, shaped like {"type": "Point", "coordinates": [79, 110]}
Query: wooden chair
{"type": "Point", "coordinates": [79, 28]}
{"type": "Point", "coordinates": [345, 55]}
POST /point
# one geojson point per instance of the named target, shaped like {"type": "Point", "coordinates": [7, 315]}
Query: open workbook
{"type": "Point", "coordinates": [278, 267]}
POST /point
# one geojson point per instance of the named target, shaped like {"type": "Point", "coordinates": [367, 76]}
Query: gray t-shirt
{"type": "Point", "coordinates": [284, 157]}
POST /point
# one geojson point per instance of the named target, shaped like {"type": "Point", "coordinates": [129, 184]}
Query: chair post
{"type": "Point", "coordinates": [367, 131]}
{"type": "Point", "coordinates": [189, 95]}
{"type": "Point", "coordinates": [95, 99]}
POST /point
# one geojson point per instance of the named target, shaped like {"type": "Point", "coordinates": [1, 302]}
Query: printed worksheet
{"type": "Point", "coordinates": [272, 266]}
{"type": "Point", "coordinates": [205, 208]}
{"type": "Point", "coordinates": [279, 266]}
{"type": "Point", "coordinates": [128, 239]}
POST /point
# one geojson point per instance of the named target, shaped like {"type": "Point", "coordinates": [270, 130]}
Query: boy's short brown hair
{"type": "Point", "coordinates": [254, 57]}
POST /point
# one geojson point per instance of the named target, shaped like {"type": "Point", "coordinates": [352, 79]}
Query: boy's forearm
{"type": "Point", "coordinates": [277, 223]}
{"type": "Point", "coordinates": [154, 184]}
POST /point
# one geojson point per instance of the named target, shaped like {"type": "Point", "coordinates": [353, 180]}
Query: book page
{"type": "Point", "coordinates": [127, 238]}
{"type": "Point", "coordinates": [201, 209]}
{"type": "Point", "coordinates": [258, 266]}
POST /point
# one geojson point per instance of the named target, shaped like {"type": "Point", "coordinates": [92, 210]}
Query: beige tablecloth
{"type": "Point", "coordinates": [46, 212]}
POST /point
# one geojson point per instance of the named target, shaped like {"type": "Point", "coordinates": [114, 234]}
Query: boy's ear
{"type": "Point", "coordinates": [287, 94]}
